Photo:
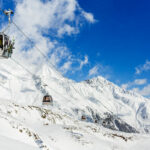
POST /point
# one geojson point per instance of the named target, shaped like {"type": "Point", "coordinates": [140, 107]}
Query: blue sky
{"type": "Point", "coordinates": [119, 39]}
{"type": "Point", "coordinates": [117, 43]}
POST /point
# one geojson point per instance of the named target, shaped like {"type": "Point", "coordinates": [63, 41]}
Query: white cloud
{"type": "Point", "coordinates": [144, 91]}
{"type": "Point", "coordinates": [89, 17]}
{"type": "Point", "coordinates": [67, 29]}
{"type": "Point", "coordinates": [83, 62]}
{"type": "Point", "coordinates": [139, 86]}
{"type": "Point", "coordinates": [66, 67]}
{"type": "Point", "coordinates": [42, 22]}
{"type": "Point", "coordinates": [93, 71]}
{"type": "Point", "coordinates": [125, 86]}
{"type": "Point", "coordinates": [140, 81]}
{"type": "Point", "coordinates": [143, 68]}
{"type": "Point", "coordinates": [101, 70]}
{"type": "Point", "coordinates": [136, 82]}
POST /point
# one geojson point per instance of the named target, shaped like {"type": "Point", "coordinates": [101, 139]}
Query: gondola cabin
{"type": "Point", "coordinates": [96, 121]}
{"type": "Point", "coordinates": [6, 46]}
{"type": "Point", "coordinates": [47, 100]}
{"type": "Point", "coordinates": [83, 118]}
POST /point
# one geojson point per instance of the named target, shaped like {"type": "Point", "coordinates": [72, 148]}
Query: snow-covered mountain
{"type": "Point", "coordinates": [89, 115]}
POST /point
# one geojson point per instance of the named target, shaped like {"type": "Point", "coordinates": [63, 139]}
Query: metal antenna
{"type": "Point", "coordinates": [8, 13]}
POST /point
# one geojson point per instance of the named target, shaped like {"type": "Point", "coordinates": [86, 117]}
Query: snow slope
{"type": "Point", "coordinates": [108, 109]}
{"type": "Point", "coordinates": [32, 127]}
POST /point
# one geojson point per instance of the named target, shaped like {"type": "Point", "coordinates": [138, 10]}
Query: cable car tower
{"type": "Point", "coordinates": [6, 45]}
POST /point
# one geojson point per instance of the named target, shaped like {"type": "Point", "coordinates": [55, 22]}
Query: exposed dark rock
{"type": "Point", "coordinates": [115, 123]}
{"type": "Point", "coordinates": [107, 120]}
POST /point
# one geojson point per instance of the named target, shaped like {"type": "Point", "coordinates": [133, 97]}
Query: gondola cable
{"type": "Point", "coordinates": [8, 13]}
{"type": "Point", "coordinates": [31, 41]}
{"type": "Point", "coordinates": [46, 56]}
{"type": "Point", "coordinates": [42, 54]}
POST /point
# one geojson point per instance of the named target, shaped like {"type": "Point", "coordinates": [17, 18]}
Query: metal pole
{"type": "Point", "coordinates": [8, 13]}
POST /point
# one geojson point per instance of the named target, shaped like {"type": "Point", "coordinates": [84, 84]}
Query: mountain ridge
{"type": "Point", "coordinates": [88, 114]}
{"type": "Point", "coordinates": [98, 94]}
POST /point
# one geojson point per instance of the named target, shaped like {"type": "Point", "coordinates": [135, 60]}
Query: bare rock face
{"type": "Point", "coordinates": [115, 123]}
